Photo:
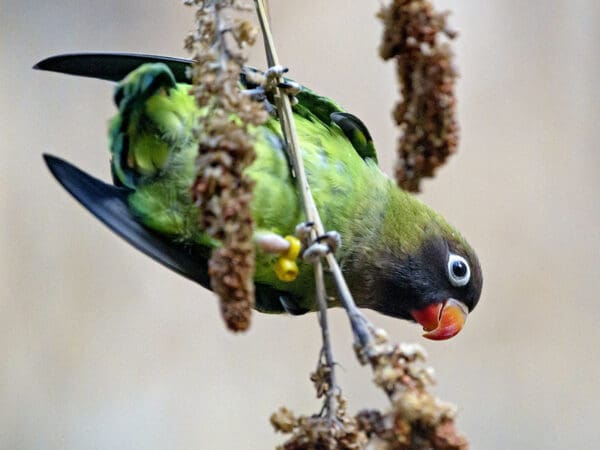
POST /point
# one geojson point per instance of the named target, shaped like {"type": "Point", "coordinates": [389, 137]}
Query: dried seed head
{"type": "Point", "coordinates": [413, 35]}
{"type": "Point", "coordinates": [311, 433]}
{"type": "Point", "coordinates": [417, 419]}
{"type": "Point", "coordinates": [283, 420]}
{"type": "Point", "coordinates": [221, 189]}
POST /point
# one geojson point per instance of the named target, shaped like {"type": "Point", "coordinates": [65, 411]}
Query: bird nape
{"type": "Point", "coordinates": [399, 257]}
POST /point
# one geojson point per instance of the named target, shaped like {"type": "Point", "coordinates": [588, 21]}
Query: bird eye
{"type": "Point", "coordinates": [459, 272]}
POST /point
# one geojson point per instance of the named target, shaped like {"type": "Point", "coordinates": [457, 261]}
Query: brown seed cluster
{"type": "Point", "coordinates": [321, 379]}
{"type": "Point", "coordinates": [417, 420]}
{"type": "Point", "coordinates": [319, 432]}
{"type": "Point", "coordinates": [332, 429]}
{"type": "Point", "coordinates": [221, 190]}
{"type": "Point", "coordinates": [416, 36]}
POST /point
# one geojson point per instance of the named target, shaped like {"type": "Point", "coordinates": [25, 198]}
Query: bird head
{"type": "Point", "coordinates": [426, 273]}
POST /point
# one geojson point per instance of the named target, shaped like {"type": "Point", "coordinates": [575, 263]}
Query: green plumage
{"type": "Point", "coordinates": [153, 153]}
{"type": "Point", "coordinates": [398, 256]}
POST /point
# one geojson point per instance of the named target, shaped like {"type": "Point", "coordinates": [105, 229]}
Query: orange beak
{"type": "Point", "coordinates": [441, 320]}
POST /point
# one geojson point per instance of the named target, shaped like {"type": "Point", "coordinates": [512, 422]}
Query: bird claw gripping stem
{"type": "Point", "coordinates": [286, 267]}
{"type": "Point", "coordinates": [257, 94]}
{"type": "Point", "coordinates": [321, 246]}
{"type": "Point", "coordinates": [269, 80]}
{"type": "Point", "coordinates": [274, 78]}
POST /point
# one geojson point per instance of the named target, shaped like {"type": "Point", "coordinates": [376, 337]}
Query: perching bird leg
{"type": "Point", "coordinates": [287, 247]}
{"type": "Point", "coordinates": [268, 242]}
{"type": "Point", "coordinates": [257, 94]}
{"type": "Point", "coordinates": [322, 246]}
{"type": "Point", "coordinates": [267, 82]}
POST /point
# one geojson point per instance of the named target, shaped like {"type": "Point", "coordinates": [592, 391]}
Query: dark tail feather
{"type": "Point", "coordinates": [110, 66]}
{"type": "Point", "coordinates": [109, 204]}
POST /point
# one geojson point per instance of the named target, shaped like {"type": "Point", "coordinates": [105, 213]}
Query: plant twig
{"type": "Point", "coordinates": [326, 352]}
{"type": "Point", "coordinates": [361, 327]}
{"type": "Point", "coordinates": [221, 189]}
{"type": "Point", "coordinates": [284, 108]}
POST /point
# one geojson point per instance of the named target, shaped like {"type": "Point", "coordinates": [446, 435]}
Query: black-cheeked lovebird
{"type": "Point", "coordinates": [399, 257]}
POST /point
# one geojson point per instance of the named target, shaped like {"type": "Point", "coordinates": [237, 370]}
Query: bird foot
{"type": "Point", "coordinates": [259, 95]}
{"type": "Point", "coordinates": [332, 239]}
{"type": "Point", "coordinates": [275, 72]}
{"type": "Point", "coordinates": [272, 243]}
{"type": "Point", "coordinates": [321, 246]}
{"type": "Point", "coordinates": [303, 231]}
{"type": "Point", "coordinates": [256, 94]}
{"type": "Point", "coordinates": [288, 248]}
{"type": "Point", "coordinates": [265, 84]}
{"type": "Point", "coordinates": [274, 78]}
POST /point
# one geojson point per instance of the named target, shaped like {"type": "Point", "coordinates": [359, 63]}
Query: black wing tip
{"type": "Point", "coordinates": [53, 162]}
{"type": "Point", "coordinates": [109, 66]}
{"type": "Point", "coordinates": [54, 63]}
{"type": "Point", "coordinates": [187, 261]}
{"type": "Point", "coordinates": [43, 64]}
{"type": "Point", "coordinates": [109, 204]}
{"type": "Point", "coordinates": [58, 166]}
{"type": "Point", "coordinates": [50, 159]}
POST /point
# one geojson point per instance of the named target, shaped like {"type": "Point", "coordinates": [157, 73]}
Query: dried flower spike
{"type": "Point", "coordinates": [221, 189]}
{"type": "Point", "coordinates": [318, 432]}
{"type": "Point", "coordinates": [413, 35]}
{"type": "Point", "coordinates": [417, 419]}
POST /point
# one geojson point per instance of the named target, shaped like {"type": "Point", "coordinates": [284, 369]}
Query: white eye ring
{"type": "Point", "coordinates": [459, 271]}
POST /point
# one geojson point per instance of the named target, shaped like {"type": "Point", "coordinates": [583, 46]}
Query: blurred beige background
{"type": "Point", "coordinates": [101, 348]}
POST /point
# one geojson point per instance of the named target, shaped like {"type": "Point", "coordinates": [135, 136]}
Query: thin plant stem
{"type": "Point", "coordinates": [360, 325]}
{"type": "Point", "coordinates": [284, 108]}
{"type": "Point", "coordinates": [330, 401]}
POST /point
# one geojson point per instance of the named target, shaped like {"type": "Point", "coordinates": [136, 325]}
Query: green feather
{"type": "Point", "coordinates": [154, 150]}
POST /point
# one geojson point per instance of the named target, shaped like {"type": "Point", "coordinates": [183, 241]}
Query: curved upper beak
{"type": "Point", "coordinates": [441, 320]}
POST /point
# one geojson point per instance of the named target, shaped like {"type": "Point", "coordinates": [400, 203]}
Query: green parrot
{"type": "Point", "coordinates": [399, 257]}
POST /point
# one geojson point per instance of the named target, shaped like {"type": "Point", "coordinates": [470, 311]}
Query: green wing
{"type": "Point", "coordinates": [153, 152]}
{"type": "Point", "coordinates": [117, 66]}
{"type": "Point", "coordinates": [315, 107]}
